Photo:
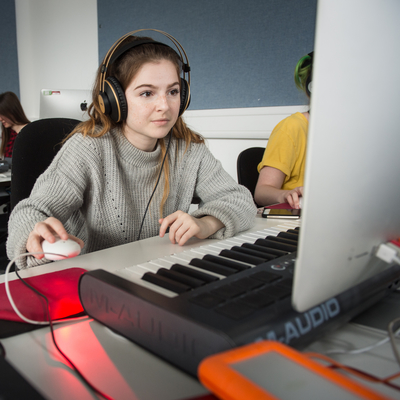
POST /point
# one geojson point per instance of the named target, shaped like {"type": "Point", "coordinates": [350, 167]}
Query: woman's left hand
{"type": "Point", "coordinates": [183, 226]}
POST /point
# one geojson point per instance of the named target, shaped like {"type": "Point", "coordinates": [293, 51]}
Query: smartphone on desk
{"type": "Point", "coordinates": [285, 213]}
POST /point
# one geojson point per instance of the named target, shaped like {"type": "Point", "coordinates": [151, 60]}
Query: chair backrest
{"type": "Point", "coordinates": [34, 149]}
{"type": "Point", "coordinates": [247, 163]}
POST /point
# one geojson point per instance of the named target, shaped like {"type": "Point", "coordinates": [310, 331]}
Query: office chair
{"type": "Point", "coordinates": [247, 163]}
{"type": "Point", "coordinates": [34, 149]}
{"type": "Point", "coordinates": [5, 202]}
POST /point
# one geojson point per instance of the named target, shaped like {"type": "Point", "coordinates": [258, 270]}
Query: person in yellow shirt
{"type": "Point", "coordinates": [282, 167]}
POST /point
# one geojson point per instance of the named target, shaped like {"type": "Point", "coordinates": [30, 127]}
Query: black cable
{"type": "Point", "coordinates": [54, 339]}
{"type": "Point", "coordinates": [154, 190]}
{"type": "Point", "coordinates": [367, 376]}
{"type": "Point", "coordinates": [333, 364]}
{"type": "Point", "coordinates": [2, 351]}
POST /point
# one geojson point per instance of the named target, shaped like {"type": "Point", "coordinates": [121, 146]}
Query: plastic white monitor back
{"type": "Point", "coordinates": [352, 186]}
{"type": "Point", "coordinates": [65, 103]}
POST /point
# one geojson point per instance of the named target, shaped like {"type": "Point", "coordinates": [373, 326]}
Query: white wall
{"type": "Point", "coordinates": [57, 47]}
{"type": "Point", "coordinates": [230, 131]}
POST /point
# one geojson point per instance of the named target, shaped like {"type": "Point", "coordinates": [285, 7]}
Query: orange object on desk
{"type": "Point", "coordinates": [270, 370]}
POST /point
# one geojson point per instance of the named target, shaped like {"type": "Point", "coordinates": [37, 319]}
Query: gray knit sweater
{"type": "Point", "coordinates": [99, 188]}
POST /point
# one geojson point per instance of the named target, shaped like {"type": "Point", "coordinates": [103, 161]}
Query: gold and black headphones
{"type": "Point", "coordinates": [112, 99]}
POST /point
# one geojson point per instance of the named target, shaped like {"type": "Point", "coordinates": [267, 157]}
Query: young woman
{"type": "Point", "coordinates": [98, 187]}
{"type": "Point", "coordinates": [282, 167]}
{"type": "Point", "coordinates": [13, 119]}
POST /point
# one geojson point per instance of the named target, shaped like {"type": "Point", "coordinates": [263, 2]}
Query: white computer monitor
{"type": "Point", "coordinates": [352, 187]}
{"type": "Point", "coordinates": [65, 103]}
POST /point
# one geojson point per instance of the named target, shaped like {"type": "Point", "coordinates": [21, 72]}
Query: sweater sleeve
{"type": "Point", "coordinates": [223, 198]}
{"type": "Point", "coordinates": [58, 193]}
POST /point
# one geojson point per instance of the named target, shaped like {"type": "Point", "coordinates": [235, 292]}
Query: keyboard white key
{"type": "Point", "coordinates": [135, 272]}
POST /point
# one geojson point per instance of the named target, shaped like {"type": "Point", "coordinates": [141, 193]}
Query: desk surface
{"type": "Point", "coordinates": [124, 370]}
{"type": "Point", "coordinates": [5, 176]}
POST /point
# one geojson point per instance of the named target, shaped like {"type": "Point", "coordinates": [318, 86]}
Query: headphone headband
{"type": "Point", "coordinates": [128, 46]}
{"type": "Point", "coordinates": [110, 57]}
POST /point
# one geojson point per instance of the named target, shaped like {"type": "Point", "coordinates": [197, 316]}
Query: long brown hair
{"type": "Point", "coordinates": [124, 69]}
{"type": "Point", "coordinates": [11, 108]}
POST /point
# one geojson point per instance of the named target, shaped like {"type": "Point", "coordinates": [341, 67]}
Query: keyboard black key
{"type": "Point", "coordinates": [177, 276]}
{"type": "Point", "coordinates": [276, 245]}
{"type": "Point", "coordinates": [165, 283]}
{"type": "Point", "coordinates": [295, 231]}
{"type": "Point", "coordinates": [213, 267]}
{"type": "Point", "coordinates": [263, 249]}
{"type": "Point", "coordinates": [252, 252]}
{"type": "Point", "coordinates": [242, 257]}
{"type": "Point", "coordinates": [228, 263]}
{"type": "Point", "coordinates": [282, 240]}
{"type": "Point", "coordinates": [270, 248]}
{"type": "Point", "coordinates": [288, 235]}
{"type": "Point", "coordinates": [194, 273]}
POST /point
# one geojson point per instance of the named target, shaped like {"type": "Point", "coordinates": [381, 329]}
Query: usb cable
{"type": "Point", "coordinates": [389, 252]}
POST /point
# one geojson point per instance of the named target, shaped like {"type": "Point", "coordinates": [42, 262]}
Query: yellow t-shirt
{"type": "Point", "coordinates": [286, 150]}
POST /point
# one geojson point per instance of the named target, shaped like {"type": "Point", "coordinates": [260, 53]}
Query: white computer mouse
{"type": "Point", "coordinates": [61, 249]}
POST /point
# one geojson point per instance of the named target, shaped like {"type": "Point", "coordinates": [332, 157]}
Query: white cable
{"type": "Point", "coordinates": [389, 253]}
{"type": "Point", "coordinates": [363, 349]}
{"type": "Point", "coordinates": [358, 351]}
{"type": "Point", "coordinates": [10, 299]}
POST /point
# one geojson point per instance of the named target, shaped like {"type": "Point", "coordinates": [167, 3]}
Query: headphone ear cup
{"type": "Point", "coordinates": [185, 96]}
{"type": "Point", "coordinates": [114, 100]}
{"type": "Point", "coordinates": [309, 86]}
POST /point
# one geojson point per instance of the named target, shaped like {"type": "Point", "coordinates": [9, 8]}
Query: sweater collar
{"type": "Point", "coordinates": [133, 155]}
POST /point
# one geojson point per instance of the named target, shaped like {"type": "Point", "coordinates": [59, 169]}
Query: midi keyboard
{"type": "Point", "coordinates": [186, 306]}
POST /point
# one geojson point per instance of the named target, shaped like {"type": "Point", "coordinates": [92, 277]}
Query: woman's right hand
{"type": "Point", "coordinates": [47, 230]}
